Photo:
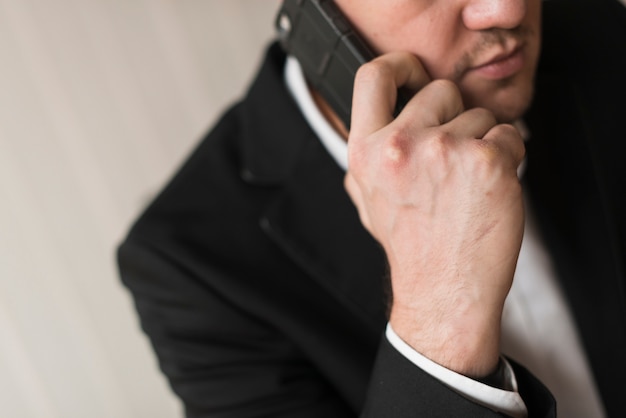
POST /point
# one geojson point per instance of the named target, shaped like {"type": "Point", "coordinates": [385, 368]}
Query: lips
{"type": "Point", "coordinates": [502, 65]}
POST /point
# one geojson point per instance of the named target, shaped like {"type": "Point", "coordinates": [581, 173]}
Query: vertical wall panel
{"type": "Point", "coordinates": [100, 100]}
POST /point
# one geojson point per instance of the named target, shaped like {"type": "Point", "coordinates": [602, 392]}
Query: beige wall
{"type": "Point", "coordinates": [99, 101]}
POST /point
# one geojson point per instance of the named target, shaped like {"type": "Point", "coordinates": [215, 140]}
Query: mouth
{"type": "Point", "coordinates": [502, 65]}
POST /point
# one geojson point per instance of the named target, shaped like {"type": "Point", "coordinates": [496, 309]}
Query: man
{"type": "Point", "coordinates": [261, 281]}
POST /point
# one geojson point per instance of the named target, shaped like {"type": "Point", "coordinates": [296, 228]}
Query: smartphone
{"type": "Point", "coordinates": [329, 50]}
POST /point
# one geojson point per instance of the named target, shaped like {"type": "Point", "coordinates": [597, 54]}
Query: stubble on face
{"type": "Point", "coordinates": [509, 97]}
{"type": "Point", "coordinates": [490, 39]}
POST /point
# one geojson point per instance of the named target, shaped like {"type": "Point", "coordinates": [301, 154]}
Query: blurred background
{"type": "Point", "coordinates": [100, 102]}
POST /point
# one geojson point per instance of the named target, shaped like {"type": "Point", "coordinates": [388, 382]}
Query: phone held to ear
{"type": "Point", "coordinates": [329, 50]}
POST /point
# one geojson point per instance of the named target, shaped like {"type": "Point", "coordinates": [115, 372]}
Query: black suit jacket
{"type": "Point", "coordinates": [263, 295]}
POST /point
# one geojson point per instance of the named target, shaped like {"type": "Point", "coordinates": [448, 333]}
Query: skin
{"type": "Point", "coordinates": [437, 186]}
{"type": "Point", "coordinates": [449, 37]}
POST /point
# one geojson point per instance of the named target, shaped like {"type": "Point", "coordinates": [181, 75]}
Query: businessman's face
{"type": "Point", "coordinates": [488, 47]}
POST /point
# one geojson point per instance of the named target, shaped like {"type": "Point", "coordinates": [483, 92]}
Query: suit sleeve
{"type": "Point", "coordinates": [223, 362]}
{"type": "Point", "coordinates": [220, 361]}
{"type": "Point", "coordinates": [398, 388]}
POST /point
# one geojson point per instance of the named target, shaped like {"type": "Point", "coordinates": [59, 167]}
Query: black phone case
{"type": "Point", "coordinates": [328, 49]}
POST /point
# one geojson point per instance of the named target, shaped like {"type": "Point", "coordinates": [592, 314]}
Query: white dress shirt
{"type": "Point", "coordinates": [537, 327]}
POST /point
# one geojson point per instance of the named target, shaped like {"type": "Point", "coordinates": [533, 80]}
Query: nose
{"type": "Point", "coordinates": [489, 14]}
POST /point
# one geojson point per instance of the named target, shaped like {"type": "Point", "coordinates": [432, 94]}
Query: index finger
{"type": "Point", "coordinates": [376, 89]}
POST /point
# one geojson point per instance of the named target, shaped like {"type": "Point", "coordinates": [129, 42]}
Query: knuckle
{"type": "Point", "coordinates": [440, 137]}
{"type": "Point", "coordinates": [435, 148]}
{"type": "Point", "coordinates": [446, 87]}
{"type": "Point", "coordinates": [406, 58]}
{"type": "Point", "coordinates": [494, 159]}
{"type": "Point", "coordinates": [396, 149]}
{"type": "Point", "coordinates": [446, 91]}
{"type": "Point", "coordinates": [484, 114]}
{"type": "Point", "coordinates": [508, 130]}
{"type": "Point", "coordinates": [484, 162]}
{"type": "Point", "coordinates": [513, 138]}
{"type": "Point", "coordinates": [374, 70]}
{"type": "Point", "coordinates": [487, 153]}
{"type": "Point", "coordinates": [442, 83]}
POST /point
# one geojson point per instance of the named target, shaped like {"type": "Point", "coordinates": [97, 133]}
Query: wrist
{"type": "Point", "coordinates": [463, 340]}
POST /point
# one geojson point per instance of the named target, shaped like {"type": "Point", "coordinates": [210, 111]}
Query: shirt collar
{"type": "Point", "coordinates": [330, 139]}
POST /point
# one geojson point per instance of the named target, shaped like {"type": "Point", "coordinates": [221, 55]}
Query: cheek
{"type": "Point", "coordinates": [428, 29]}
{"type": "Point", "coordinates": [396, 25]}
{"type": "Point", "coordinates": [422, 36]}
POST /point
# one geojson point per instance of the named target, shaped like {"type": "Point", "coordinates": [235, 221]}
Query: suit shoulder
{"type": "Point", "coordinates": [205, 191]}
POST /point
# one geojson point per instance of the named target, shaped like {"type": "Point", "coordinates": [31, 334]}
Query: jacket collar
{"type": "Point", "coordinates": [274, 131]}
{"type": "Point", "coordinates": [310, 216]}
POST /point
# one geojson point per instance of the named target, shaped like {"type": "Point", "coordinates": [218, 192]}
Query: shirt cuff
{"type": "Point", "coordinates": [502, 401]}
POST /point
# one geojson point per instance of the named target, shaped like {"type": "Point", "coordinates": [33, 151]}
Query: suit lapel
{"type": "Point", "coordinates": [314, 221]}
{"type": "Point", "coordinates": [309, 215]}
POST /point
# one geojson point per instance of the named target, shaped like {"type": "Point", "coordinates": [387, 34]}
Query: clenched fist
{"type": "Point", "coordinates": [438, 188]}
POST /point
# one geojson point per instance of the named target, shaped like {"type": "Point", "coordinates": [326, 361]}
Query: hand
{"type": "Point", "coordinates": [438, 188]}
